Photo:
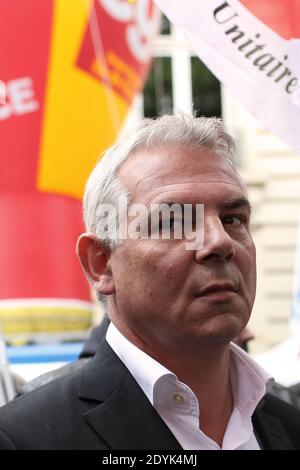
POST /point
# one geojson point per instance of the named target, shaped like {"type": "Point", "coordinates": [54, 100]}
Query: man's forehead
{"type": "Point", "coordinates": [167, 157]}
{"type": "Point", "coordinates": [176, 169]}
{"type": "Point", "coordinates": [226, 196]}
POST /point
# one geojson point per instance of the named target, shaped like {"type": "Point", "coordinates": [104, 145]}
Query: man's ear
{"type": "Point", "coordinates": [95, 261]}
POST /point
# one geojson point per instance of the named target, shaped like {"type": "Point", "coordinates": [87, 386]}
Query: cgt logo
{"type": "Point", "coordinates": [283, 17]}
{"type": "Point", "coordinates": [119, 60]}
{"type": "Point", "coordinates": [2, 93]}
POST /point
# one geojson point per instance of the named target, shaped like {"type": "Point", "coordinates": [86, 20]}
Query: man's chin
{"type": "Point", "coordinates": [218, 330]}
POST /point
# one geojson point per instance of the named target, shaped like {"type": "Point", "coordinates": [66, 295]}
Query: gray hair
{"type": "Point", "coordinates": [105, 187]}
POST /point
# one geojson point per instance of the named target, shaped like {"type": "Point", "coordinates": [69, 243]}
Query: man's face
{"type": "Point", "coordinates": [166, 295]}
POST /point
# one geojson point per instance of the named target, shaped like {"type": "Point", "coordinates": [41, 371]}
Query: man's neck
{"type": "Point", "coordinates": [206, 371]}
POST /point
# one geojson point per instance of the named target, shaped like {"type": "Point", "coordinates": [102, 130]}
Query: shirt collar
{"type": "Point", "coordinates": [250, 382]}
{"type": "Point", "coordinates": [146, 370]}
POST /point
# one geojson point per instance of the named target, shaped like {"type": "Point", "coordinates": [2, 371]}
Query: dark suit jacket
{"type": "Point", "coordinates": [101, 406]}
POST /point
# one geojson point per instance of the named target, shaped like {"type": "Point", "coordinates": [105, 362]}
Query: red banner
{"type": "Point", "coordinates": [69, 71]}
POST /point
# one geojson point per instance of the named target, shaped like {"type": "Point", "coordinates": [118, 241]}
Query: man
{"type": "Point", "coordinates": [167, 375]}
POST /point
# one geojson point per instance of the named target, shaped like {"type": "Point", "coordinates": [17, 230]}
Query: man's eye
{"type": "Point", "coordinates": [234, 220]}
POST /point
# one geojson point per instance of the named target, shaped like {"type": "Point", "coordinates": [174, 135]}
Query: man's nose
{"type": "Point", "coordinates": [218, 245]}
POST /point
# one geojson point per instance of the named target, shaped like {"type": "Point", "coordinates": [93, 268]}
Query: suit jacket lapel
{"type": "Point", "coordinates": [270, 431]}
{"type": "Point", "coordinates": [124, 419]}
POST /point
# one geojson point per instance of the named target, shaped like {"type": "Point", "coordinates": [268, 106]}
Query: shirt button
{"type": "Point", "coordinates": [179, 400]}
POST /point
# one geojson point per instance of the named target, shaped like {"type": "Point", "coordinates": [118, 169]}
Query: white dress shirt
{"type": "Point", "coordinates": [178, 406]}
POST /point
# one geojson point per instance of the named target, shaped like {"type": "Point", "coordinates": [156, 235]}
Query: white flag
{"type": "Point", "coordinates": [253, 47]}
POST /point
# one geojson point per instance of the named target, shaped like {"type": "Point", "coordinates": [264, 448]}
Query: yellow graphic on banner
{"type": "Point", "coordinates": [82, 116]}
{"type": "Point", "coordinates": [42, 319]}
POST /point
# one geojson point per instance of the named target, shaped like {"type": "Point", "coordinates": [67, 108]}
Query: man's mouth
{"type": "Point", "coordinates": [219, 290]}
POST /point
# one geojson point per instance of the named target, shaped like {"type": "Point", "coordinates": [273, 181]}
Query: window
{"type": "Point", "coordinates": [206, 90]}
{"type": "Point", "coordinates": [158, 95]}
{"type": "Point", "coordinates": [165, 25]}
